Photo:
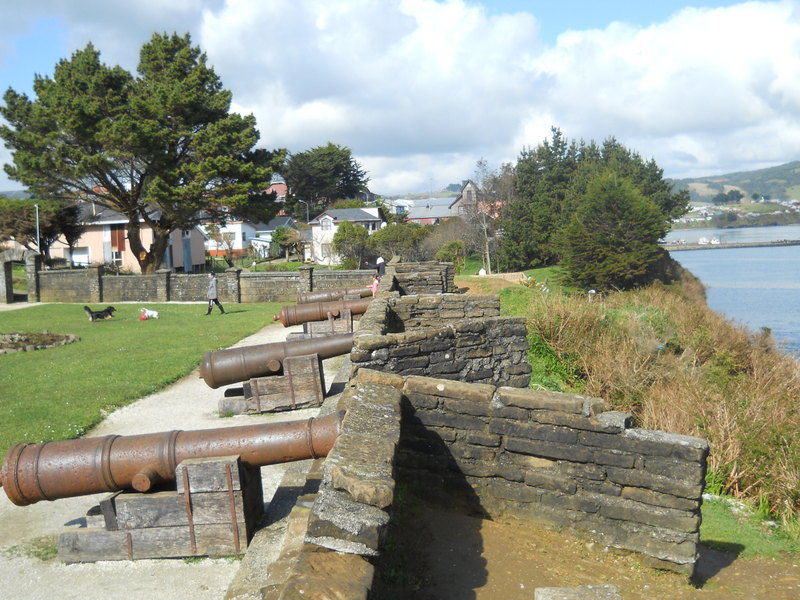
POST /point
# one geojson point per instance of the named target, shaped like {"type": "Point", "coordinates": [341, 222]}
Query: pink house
{"type": "Point", "coordinates": [106, 242]}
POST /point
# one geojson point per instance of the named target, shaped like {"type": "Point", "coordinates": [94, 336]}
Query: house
{"type": "Point", "coordinates": [105, 241]}
{"type": "Point", "coordinates": [230, 238]}
{"type": "Point", "coordinates": [466, 202]}
{"type": "Point", "coordinates": [279, 187]}
{"type": "Point", "coordinates": [324, 226]}
{"type": "Point", "coordinates": [263, 241]}
{"type": "Point", "coordinates": [430, 211]}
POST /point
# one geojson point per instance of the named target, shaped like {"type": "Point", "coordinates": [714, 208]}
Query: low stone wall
{"type": "Point", "coordinates": [92, 285]}
{"type": "Point", "coordinates": [422, 278]}
{"type": "Point", "coordinates": [558, 459]}
{"type": "Point", "coordinates": [451, 336]}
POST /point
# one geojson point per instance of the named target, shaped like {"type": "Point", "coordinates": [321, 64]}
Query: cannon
{"type": "Point", "coordinates": [64, 469]}
{"type": "Point", "coordinates": [331, 295]}
{"type": "Point", "coordinates": [232, 365]}
{"type": "Point", "coordinates": [319, 311]}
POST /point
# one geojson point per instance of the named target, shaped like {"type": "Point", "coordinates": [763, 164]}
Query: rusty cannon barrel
{"type": "Point", "coordinates": [319, 311]}
{"type": "Point", "coordinates": [331, 295]}
{"type": "Point", "coordinates": [53, 470]}
{"type": "Point", "coordinates": [232, 365]}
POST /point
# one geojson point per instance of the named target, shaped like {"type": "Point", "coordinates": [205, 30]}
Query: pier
{"type": "Point", "coordinates": [672, 247]}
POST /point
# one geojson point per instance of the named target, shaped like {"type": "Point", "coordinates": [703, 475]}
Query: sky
{"type": "Point", "coordinates": [420, 90]}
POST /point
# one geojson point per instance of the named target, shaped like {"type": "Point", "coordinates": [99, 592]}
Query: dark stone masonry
{"type": "Point", "coordinates": [473, 435]}
{"type": "Point", "coordinates": [451, 336]}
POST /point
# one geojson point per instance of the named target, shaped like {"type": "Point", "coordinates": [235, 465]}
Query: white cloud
{"type": "Point", "coordinates": [420, 90]}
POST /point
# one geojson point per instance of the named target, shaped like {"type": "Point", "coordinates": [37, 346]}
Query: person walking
{"type": "Point", "coordinates": [212, 294]}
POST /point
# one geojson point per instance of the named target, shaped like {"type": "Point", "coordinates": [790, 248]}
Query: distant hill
{"type": "Point", "coordinates": [776, 183]}
{"type": "Point", "coordinates": [16, 194]}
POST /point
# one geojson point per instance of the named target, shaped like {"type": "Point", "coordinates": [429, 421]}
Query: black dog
{"type": "Point", "coordinates": [106, 313]}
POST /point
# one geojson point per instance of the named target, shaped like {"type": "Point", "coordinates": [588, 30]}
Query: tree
{"type": "Point", "coordinates": [611, 241]}
{"type": "Point", "coordinates": [286, 238]}
{"type": "Point", "coordinates": [323, 175]}
{"type": "Point", "coordinates": [350, 242]}
{"type": "Point", "coordinates": [161, 148]}
{"type": "Point", "coordinates": [452, 251]}
{"type": "Point", "coordinates": [400, 239]}
{"type": "Point", "coordinates": [534, 215]}
{"type": "Point", "coordinates": [226, 240]}
{"type": "Point", "coordinates": [18, 221]}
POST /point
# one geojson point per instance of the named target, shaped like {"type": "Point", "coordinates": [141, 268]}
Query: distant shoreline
{"type": "Point", "coordinates": [696, 246]}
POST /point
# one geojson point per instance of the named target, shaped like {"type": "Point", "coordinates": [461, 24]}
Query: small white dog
{"type": "Point", "coordinates": [149, 314]}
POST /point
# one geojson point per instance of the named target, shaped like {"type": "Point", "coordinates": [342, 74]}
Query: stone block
{"type": "Point", "coordinates": [422, 400]}
{"type": "Point", "coordinates": [380, 378]}
{"type": "Point", "coordinates": [658, 499]}
{"type": "Point", "coordinates": [330, 575]}
{"type": "Point", "coordinates": [662, 443]}
{"type": "Point", "coordinates": [615, 458]}
{"type": "Point", "coordinates": [533, 431]}
{"type": "Point", "coordinates": [339, 523]}
{"type": "Point", "coordinates": [539, 399]}
{"type": "Point", "coordinates": [400, 365]}
{"type": "Point", "coordinates": [450, 389]}
{"type": "Point", "coordinates": [481, 439]}
{"type": "Point", "coordinates": [548, 449]}
{"type": "Point", "coordinates": [623, 509]}
{"type": "Point", "coordinates": [691, 472]}
{"type": "Point", "coordinates": [518, 492]}
{"type": "Point", "coordinates": [651, 481]}
{"type": "Point", "coordinates": [362, 466]}
{"type": "Point", "coordinates": [438, 419]}
{"type": "Point", "coordinates": [466, 408]}
{"type": "Point", "coordinates": [470, 452]}
{"type": "Point", "coordinates": [551, 481]}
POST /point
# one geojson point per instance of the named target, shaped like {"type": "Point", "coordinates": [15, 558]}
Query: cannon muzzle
{"type": "Point", "coordinates": [331, 295]}
{"type": "Point", "coordinates": [232, 365]}
{"type": "Point", "coordinates": [319, 311]}
{"type": "Point", "coordinates": [53, 470]}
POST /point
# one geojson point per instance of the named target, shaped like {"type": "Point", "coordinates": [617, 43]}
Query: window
{"type": "Point", "coordinates": [118, 238]}
{"type": "Point", "coordinates": [187, 233]}
{"type": "Point", "coordinates": [326, 224]}
{"type": "Point", "coordinates": [244, 237]}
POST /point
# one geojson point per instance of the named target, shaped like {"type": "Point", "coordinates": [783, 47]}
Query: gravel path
{"type": "Point", "coordinates": [188, 404]}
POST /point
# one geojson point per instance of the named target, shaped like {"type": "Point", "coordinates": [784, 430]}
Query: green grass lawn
{"type": "Point", "coordinates": [59, 393]}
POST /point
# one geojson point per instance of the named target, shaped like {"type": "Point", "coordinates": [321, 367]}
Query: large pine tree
{"type": "Point", "coordinates": [161, 148]}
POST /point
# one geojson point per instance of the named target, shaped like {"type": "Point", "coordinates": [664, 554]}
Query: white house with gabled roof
{"type": "Point", "coordinates": [324, 226]}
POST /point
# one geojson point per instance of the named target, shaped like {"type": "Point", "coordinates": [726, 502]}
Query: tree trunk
{"type": "Point", "coordinates": [149, 260]}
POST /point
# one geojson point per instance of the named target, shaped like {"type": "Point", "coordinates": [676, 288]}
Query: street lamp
{"type": "Point", "coordinates": [306, 203]}
{"type": "Point", "coordinates": [38, 242]}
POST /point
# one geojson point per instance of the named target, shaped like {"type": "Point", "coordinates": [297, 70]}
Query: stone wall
{"type": "Point", "coordinates": [422, 278]}
{"type": "Point", "coordinates": [451, 336]}
{"type": "Point", "coordinates": [559, 459]}
{"type": "Point", "coordinates": [92, 285]}
{"type": "Point", "coordinates": [74, 285]}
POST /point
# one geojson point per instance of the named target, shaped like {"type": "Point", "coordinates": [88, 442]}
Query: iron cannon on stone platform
{"type": "Point", "coordinates": [319, 311]}
{"type": "Point", "coordinates": [331, 295]}
{"type": "Point", "coordinates": [232, 365]}
{"type": "Point", "coordinates": [63, 469]}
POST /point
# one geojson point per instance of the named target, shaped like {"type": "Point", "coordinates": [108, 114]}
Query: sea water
{"type": "Point", "coordinates": [755, 287]}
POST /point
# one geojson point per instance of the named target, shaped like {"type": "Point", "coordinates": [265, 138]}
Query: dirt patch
{"type": "Point", "coordinates": [487, 284]}
{"type": "Point", "coordinates": [27, 342]}
{"type": "Point", "coordinates": [438, 554]}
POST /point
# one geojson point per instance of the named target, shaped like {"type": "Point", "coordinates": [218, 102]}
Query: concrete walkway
{"type": "Point", "coordinates": [188, 404]}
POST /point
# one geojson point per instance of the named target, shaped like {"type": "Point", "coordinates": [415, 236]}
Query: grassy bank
{"type": "Point", "coordinates": [59, 393]}
{"type": "Point", "coordinates": [661, 354]}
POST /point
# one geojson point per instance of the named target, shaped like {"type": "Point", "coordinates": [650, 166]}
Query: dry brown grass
{"type": "Point", "coordinates": [663, 355]}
